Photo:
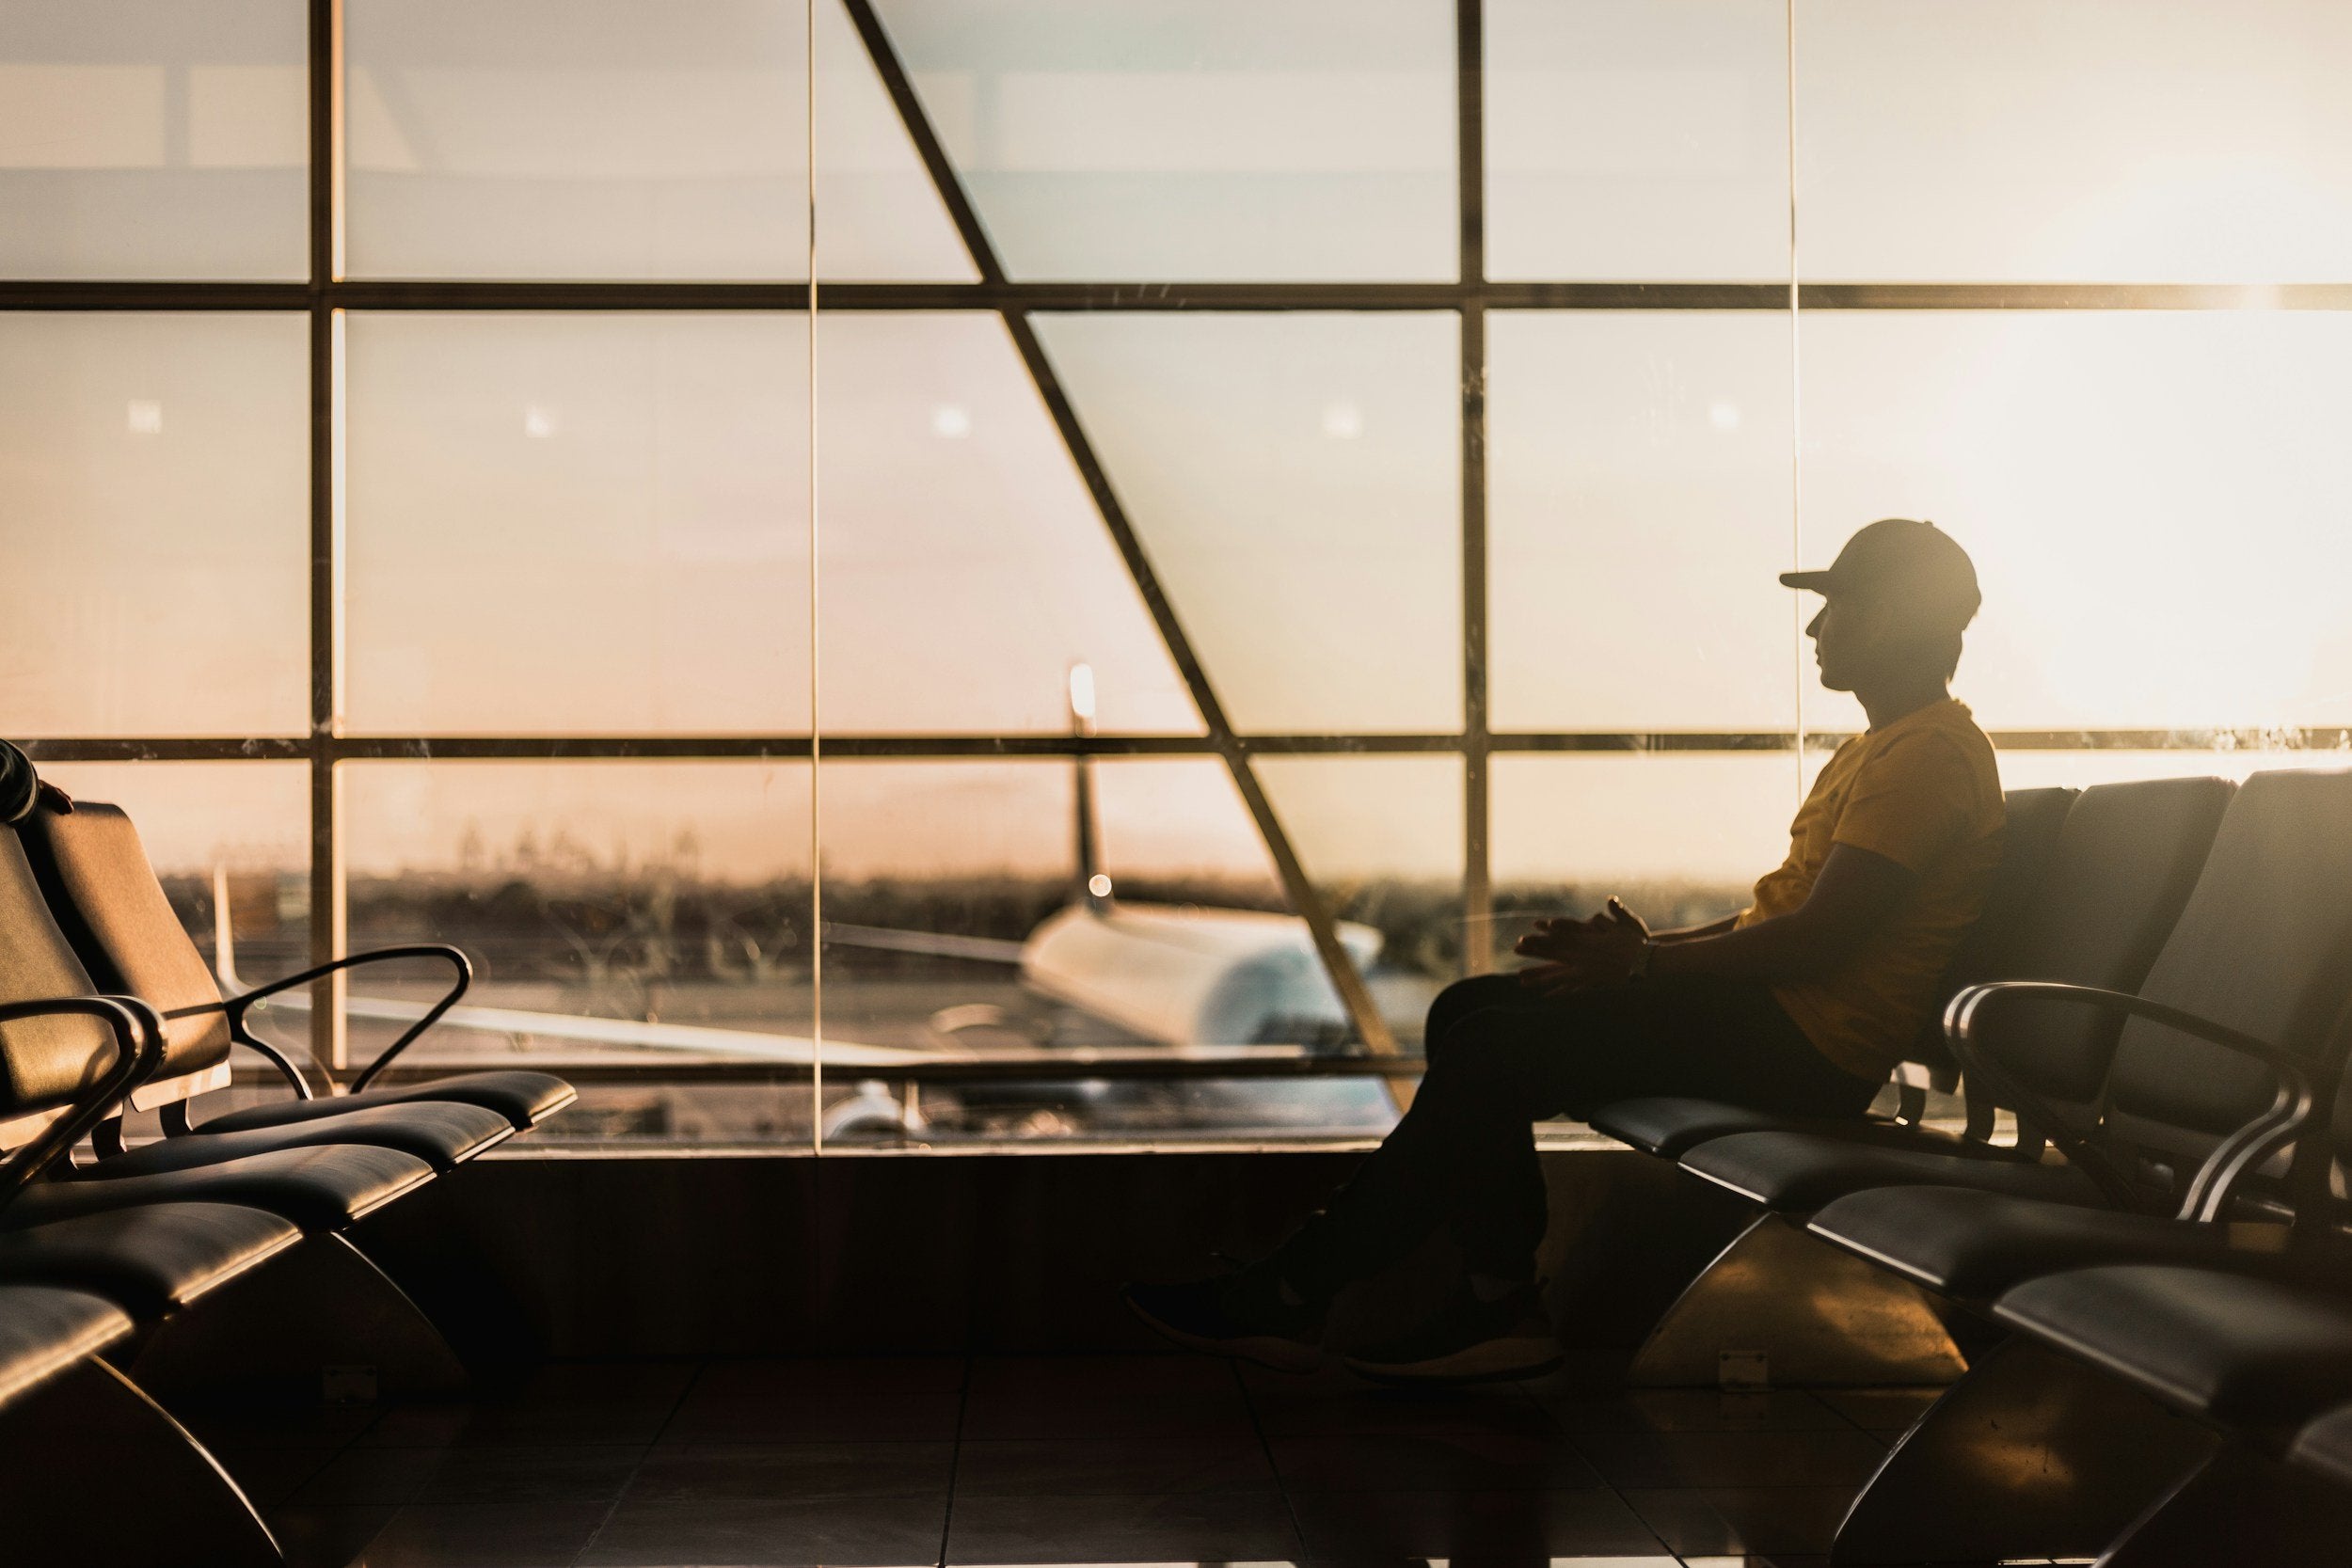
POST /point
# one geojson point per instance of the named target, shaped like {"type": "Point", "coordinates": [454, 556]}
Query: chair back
{"type": "Point", "coordinates": [45, 1063]}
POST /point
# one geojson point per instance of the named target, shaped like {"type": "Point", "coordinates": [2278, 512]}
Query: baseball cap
{"type": "Point", "coordinates": [1914, 566]}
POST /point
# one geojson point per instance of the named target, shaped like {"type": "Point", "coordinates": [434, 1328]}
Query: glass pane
{"type": "Point", "coordinates": [575, 524]}
{"type": "Point", "coordinates": [881, 216]}
{"type": "Point", "coordinates": [1637, 139]}
{"type": "Point", "coordinates": [1381, 839]}
{"type": "Point", "coordinates": [2101, 140]}
{"type": "Point", "coordinates": [1196, 138]}
{"type": "Point", "coordinates": [1295, 483]}
{"type": "Point", "coordinates": [155, 473]}
{"type": "Point", "coordinates": [2150, 501]}
{"type": "Point", "coordinates": [153, 138]}
{"type": "Point", "coordinates": [955, 923]}
{"type": "Point", "coordinates": [1681, 837]}
{"type": "Point", "coordinates": [538, 138]}
{"type": "Point", "coordinates": [966, 568]}
{"type": "Point", "coordinates": [1638, 495]}
{"type": "Point", "coordinates": [604, 905]}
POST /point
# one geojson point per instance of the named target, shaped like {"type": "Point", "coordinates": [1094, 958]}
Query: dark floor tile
{"type": "Point", "coordinates": [1201, 1526]}
{"type": "Point", "coordinates": [614, 1403]}
{"type": "Point", "coordinates": [872, 1532]}
{"type": "Point", "coordinates": [1428, 1462]}
{"type": "Point", "coordinates": [849, 1402]}
{"type": "Point", "coordinates": [270, 1476]}
{"type": "Point", "coordinates": [1702, 1459]}
{"type": "Point", "coordinates": [1692, 1410]}
{"type": "Point", "coordinates": [387, 1477]}
{"type": "Point", "coordinates": [811, 1471]}
{"type": "Point", "coordinates": [1726, 1521]}
{"type": "Point", "coordinates": [577, 1473]}
{"type": "Point", "coordinates": [1881, 1409]}
{"type": "Point", "coordinates": [1335, 1403]}
{"type": "Point", "coordinates": [1131, 1465]}
{"type": "Point", "coordinates": [1760, 1559]}
{"type": "Point", "coordinates": [485, 1535]}
{"type": "Point", "coordinates": [1458, 1524]}
{"type": "Point", "coordinates": [1131, 1396]}
{"type": "Point", "coordinates": [327, 1537]}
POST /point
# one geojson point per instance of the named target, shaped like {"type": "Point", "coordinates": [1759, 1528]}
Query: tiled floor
{"type": "Point", "coordinates": [1099, 1459]}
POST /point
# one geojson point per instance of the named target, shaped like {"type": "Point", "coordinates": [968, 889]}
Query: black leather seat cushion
{"type": "Point", "coordinates": [2245, 1351]}
{"type": "Point", "coordinates": [1671, 1126]}
{"type": "Point", "coordinates": [149, 1259]}
{"type": "Point", "coordinates": [524, 1098]}
{"type": "Point", "coordinates": [2325, 1447]}
{"type": "Point", "coordinates": [1797, 1172]}
{"type": "Point", "coordinates": [45, 1330]}
{"type": "Point", "coordinates": [440, 1134]}
{"type": "Point", "coordinates": [324, 1188]}
{"type": "Point", "coordinates": [1976, 1244]}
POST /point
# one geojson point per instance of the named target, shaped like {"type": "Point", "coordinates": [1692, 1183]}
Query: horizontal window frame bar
{"type": "Point", "coordinates": [492, 294]}
{"type": "Point", "coordinates": [1139, 1067]}
{"type": "Point", "coordinates": [787, 748]}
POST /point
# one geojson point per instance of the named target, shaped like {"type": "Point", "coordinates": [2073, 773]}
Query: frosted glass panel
{"type": "Point", "coordinates": [2104, 140]}
{"type": "Point", "coordinates": [153, 138]}
{"type": "Point", "coordinates": [578, 524]}
{"type": "Point", "coordinates": [965, 567]}
{"type": "Point", "coordinates": [1295, 478]}
{"type": "Point", "coordinates": [2155, 503]}
{"type": "Point", "coordinates": [1639, 508]}
{"type": "Point", "coordinates": [538, 138]}
{"type": "Point", "coordinates": [1196, 138]}
{"type": "Point", "coordinates": [154, 471]}
{"type": "Point", "coordinates": [1637, 139]}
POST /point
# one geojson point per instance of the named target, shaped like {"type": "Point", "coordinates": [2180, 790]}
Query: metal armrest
{"type": "Point", "coordinates": [138, 1050]}
{"type": "Point", "coordinates": [236, 1007]}
{"type": "Point", "coordinates": [2210, 1189]}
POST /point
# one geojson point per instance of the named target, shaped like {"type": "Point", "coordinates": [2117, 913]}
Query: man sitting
{"type": "Point", "coordinates": [1802, 1004]}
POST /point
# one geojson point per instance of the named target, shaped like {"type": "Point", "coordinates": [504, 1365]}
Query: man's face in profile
{"type": "Point", "coordinates": [1845, 634]}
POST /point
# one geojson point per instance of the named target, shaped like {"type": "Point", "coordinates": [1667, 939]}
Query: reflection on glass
{"type": "Point", "coordinates": [1196, 138]}
{"type": "Point", "coordinates": [1381, 839]}
{"type": "Point", "coordinates": [153, 138]}
{"type": "Point", "coordinates": [1294, 479]}
{"type": "Point", "coordinates": [154, 470]}
{"type": "Point", "coordinates": [578, 523]}
{"type": "Point", "coordinates": [1681, 837]}
{"type": "Point", "coordinates": [2152, 501]}
{"type": "Point", "coordinates": [1637, 139]}
{"type": "Point", "coordinates": [634, 914]}
{"type": "Point", "coordinates": [1638, 511]}
{"type": "Point", "coordinates": [966, 568]}
{"type": "Point", "coordinates": [2100, 140]}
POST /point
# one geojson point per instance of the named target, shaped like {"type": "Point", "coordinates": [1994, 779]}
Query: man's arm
{"type": "Point", "coordinates": [1855, 893]}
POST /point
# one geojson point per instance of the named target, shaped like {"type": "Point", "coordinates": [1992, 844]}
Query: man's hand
{"type": "Point", "coordinates": [1582, 955]}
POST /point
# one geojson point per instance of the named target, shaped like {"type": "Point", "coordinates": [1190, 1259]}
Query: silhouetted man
{"type": "Point", "coordinates": [1800, 1004]}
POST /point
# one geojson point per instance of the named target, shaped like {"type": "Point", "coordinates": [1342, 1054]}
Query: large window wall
{"type": "Point", "coordinates": [733, 514]}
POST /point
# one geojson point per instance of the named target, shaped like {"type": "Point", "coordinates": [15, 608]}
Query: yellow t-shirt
{"type": "Point", "coordinates": [1923, 792]}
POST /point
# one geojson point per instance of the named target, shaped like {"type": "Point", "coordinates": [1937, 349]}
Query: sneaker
{"type": "Point", "coordinates": [1469, 1340]}
{"type": "Point", "coordinates": [1244, 1314]}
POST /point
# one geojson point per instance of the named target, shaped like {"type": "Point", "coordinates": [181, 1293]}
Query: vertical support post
{"type": "Point", "coordinates": [1231, 748]}
{"type": "Point", "coordinates": [1478, 906]}
{"type": "Point", "coordinates": [327, 933]}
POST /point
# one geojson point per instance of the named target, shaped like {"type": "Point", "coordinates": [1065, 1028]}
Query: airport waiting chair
{"type": "Point", "coordinates": [46, 1331]}
{"type": "Point", "coordinates": [1668, 1125]}
{"type": "Point", "coordinates": [2258, 948]}
{"type": "Point", "coordinates": [105, 897]}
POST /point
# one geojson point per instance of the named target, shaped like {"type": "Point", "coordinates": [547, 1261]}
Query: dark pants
{"type": "Point", "coordinates": [1502, 1058]}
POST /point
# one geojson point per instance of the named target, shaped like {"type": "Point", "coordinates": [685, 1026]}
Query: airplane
{"type": "Point", "coordinates": [1199, 981]}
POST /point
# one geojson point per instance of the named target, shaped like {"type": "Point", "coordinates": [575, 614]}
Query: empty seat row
{"type": "Point", "coordinates": [107, 1007]}
{"type": "Point", "coordinates": [2168, 1026]}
